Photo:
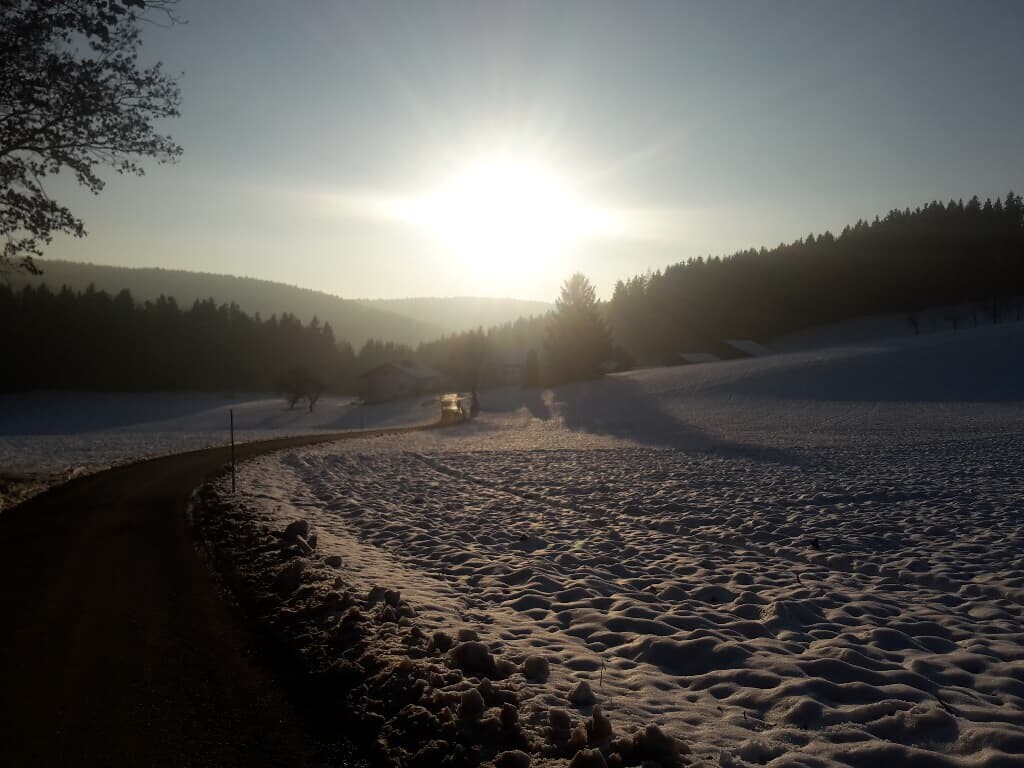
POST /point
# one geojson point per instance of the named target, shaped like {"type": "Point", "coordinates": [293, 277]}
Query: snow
{"type": "Point", "coordinates": [811, 558]}
{"type": "Point", "coordinates": [49, 436]}
{"type": "Point", "coordinates": [875, 327]}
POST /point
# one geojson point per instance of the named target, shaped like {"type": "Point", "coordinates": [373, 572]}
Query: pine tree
{"type": "Point", "coordinates": [578, 340]}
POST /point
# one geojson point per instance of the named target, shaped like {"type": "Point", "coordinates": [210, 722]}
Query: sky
{"type": "Point", "coordinates": [384, 150]}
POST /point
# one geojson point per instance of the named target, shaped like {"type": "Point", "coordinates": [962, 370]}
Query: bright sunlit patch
{"type": "Point", "coordinates": [505, 215]}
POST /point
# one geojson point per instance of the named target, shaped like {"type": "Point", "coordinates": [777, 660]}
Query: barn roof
{"type": "Point", "coordinates": [748, 347]}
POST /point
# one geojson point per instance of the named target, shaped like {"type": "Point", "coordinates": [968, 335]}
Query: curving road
{"type": "Point", "coordinates": [116, 648]}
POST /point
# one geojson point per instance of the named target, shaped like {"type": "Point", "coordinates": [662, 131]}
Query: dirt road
{"type": "Point", "coordinates": [116, 647]}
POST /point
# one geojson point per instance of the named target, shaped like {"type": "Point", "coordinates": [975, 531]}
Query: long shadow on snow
{"type": "Point", "coordinates": [976, 366]}
{"type": "Point", "coordinates": [535, 404]}
{"type": "Point", "coordinates": [58, 413]}
{"type": "Point", "coordinates": [510, 399]}
{"type": "Point", "coordinates": [613, 406]}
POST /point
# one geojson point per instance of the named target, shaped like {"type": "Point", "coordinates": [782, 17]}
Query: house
{"type": "Point", "coordinates": [393, 381]}
{"type": "Point", "coordinates": [729, 349]}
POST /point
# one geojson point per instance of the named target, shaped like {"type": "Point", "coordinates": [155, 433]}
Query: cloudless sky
{"type": "Point", "coordinates": [712, 126]}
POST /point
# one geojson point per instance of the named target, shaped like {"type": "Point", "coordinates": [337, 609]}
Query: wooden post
{"type": "Point", "coordinates": [231, 415]}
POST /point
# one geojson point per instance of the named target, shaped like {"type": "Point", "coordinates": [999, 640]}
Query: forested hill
{"type": "Point", "coordinates": [94, 341]}
{"type": "Point", "coordinates": [403, 321]}
{"type": "Point", "coordinates": [462, 313]}
{"type": "Point", "coordinates": [936, 255]}
{"type": "Point", "coordinates": [352, 321]}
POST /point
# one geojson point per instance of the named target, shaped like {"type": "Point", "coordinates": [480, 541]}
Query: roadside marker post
{"type": "Point", "coordinates": [231, 416]}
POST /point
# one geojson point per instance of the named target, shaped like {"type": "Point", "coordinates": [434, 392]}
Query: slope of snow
{"type": "Point", "coordinates": [870, 328]}
{"type": "Point", "coordinates": [804, 559]}
{"type": "Point", "coordinates": [49, 436]}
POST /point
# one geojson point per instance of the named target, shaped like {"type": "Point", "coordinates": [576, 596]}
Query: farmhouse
{"type": "Point", "coordinates": [729, 349]}
{"type": "Point", "coordinates": [692, 358]}
{"type": "Point", "coordinates": [393, 381]}
{"type": "Point", "coordinates": [749, 348]}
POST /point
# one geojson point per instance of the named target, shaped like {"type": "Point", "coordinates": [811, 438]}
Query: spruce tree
{"type": "Point", "coordinates": [578, 340]}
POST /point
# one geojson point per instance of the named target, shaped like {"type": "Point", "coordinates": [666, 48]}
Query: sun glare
{"type": "Point", "coordinates": [505, 216]}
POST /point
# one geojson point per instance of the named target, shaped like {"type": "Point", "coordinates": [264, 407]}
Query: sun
{"type": "Point", "coordinates": [502, 215]}
{"type": "Point", "coordinates": [505, 215]}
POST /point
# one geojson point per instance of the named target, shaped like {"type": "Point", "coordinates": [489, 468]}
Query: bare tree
{"type": "Point", "coordinates": [292, 385]}
{"type": "Point", "coordinates": [73, 98]}
{"type": "Point", "coordinates": [314, 388]}
{"type": "Point", "coordinates": [297, 384]}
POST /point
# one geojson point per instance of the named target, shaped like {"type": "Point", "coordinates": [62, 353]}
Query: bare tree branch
{"type": "Point", "coordinates": [74, 98]}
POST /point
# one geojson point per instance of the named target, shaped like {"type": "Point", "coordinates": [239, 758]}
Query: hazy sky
{"type": "Point", "coordinates": [408, 149]}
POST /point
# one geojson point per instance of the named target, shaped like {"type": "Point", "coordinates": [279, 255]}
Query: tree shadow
{"type": "Point", "coordinates": [615, 406]}
{"type": "Point", "coordinates": [421, 409]}
{"type": "Point", "coordinates": [58, 413]}
{"type": "Point", "coordinates": [985, 366]}
{"type": "Point", "coordinates": [511, 399]}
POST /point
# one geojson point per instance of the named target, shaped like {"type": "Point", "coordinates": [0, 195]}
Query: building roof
{"type": "Point", "coordinates": [699, 357]}
{"type": "Point", "coordinates": [748, 347]}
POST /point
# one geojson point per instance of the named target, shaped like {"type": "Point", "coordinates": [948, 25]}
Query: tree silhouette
{"type": "Point", "coordinates": [93, 341]}
{"type": "Point", "coordinates": [292, 386]}
{"type": "Point", "coordinates": [73, 97]}
{"type": "Point", "coordinates": [969, 256]}
{"type": "Point", "coordinates": [940, 254]}
{"type": "Point", "coordinates": [531, 372]}
{"type": "Point", "coordinates": [578, 341]}
{"type": "Point", "coordinates": [298, 384]}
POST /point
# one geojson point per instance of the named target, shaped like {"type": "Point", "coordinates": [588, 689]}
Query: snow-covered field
{"type": "Point", "coordinates": [868, 328]}
{"type": "Point", "coordinates": [807, 559]}
{"type": "Point", "coordinates": [49, 436]}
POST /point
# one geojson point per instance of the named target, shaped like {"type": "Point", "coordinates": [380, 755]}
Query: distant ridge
{"type": "Point", "coordinates": [462, 313]}
{"type": "Point", "coordinates": [353, 321]}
